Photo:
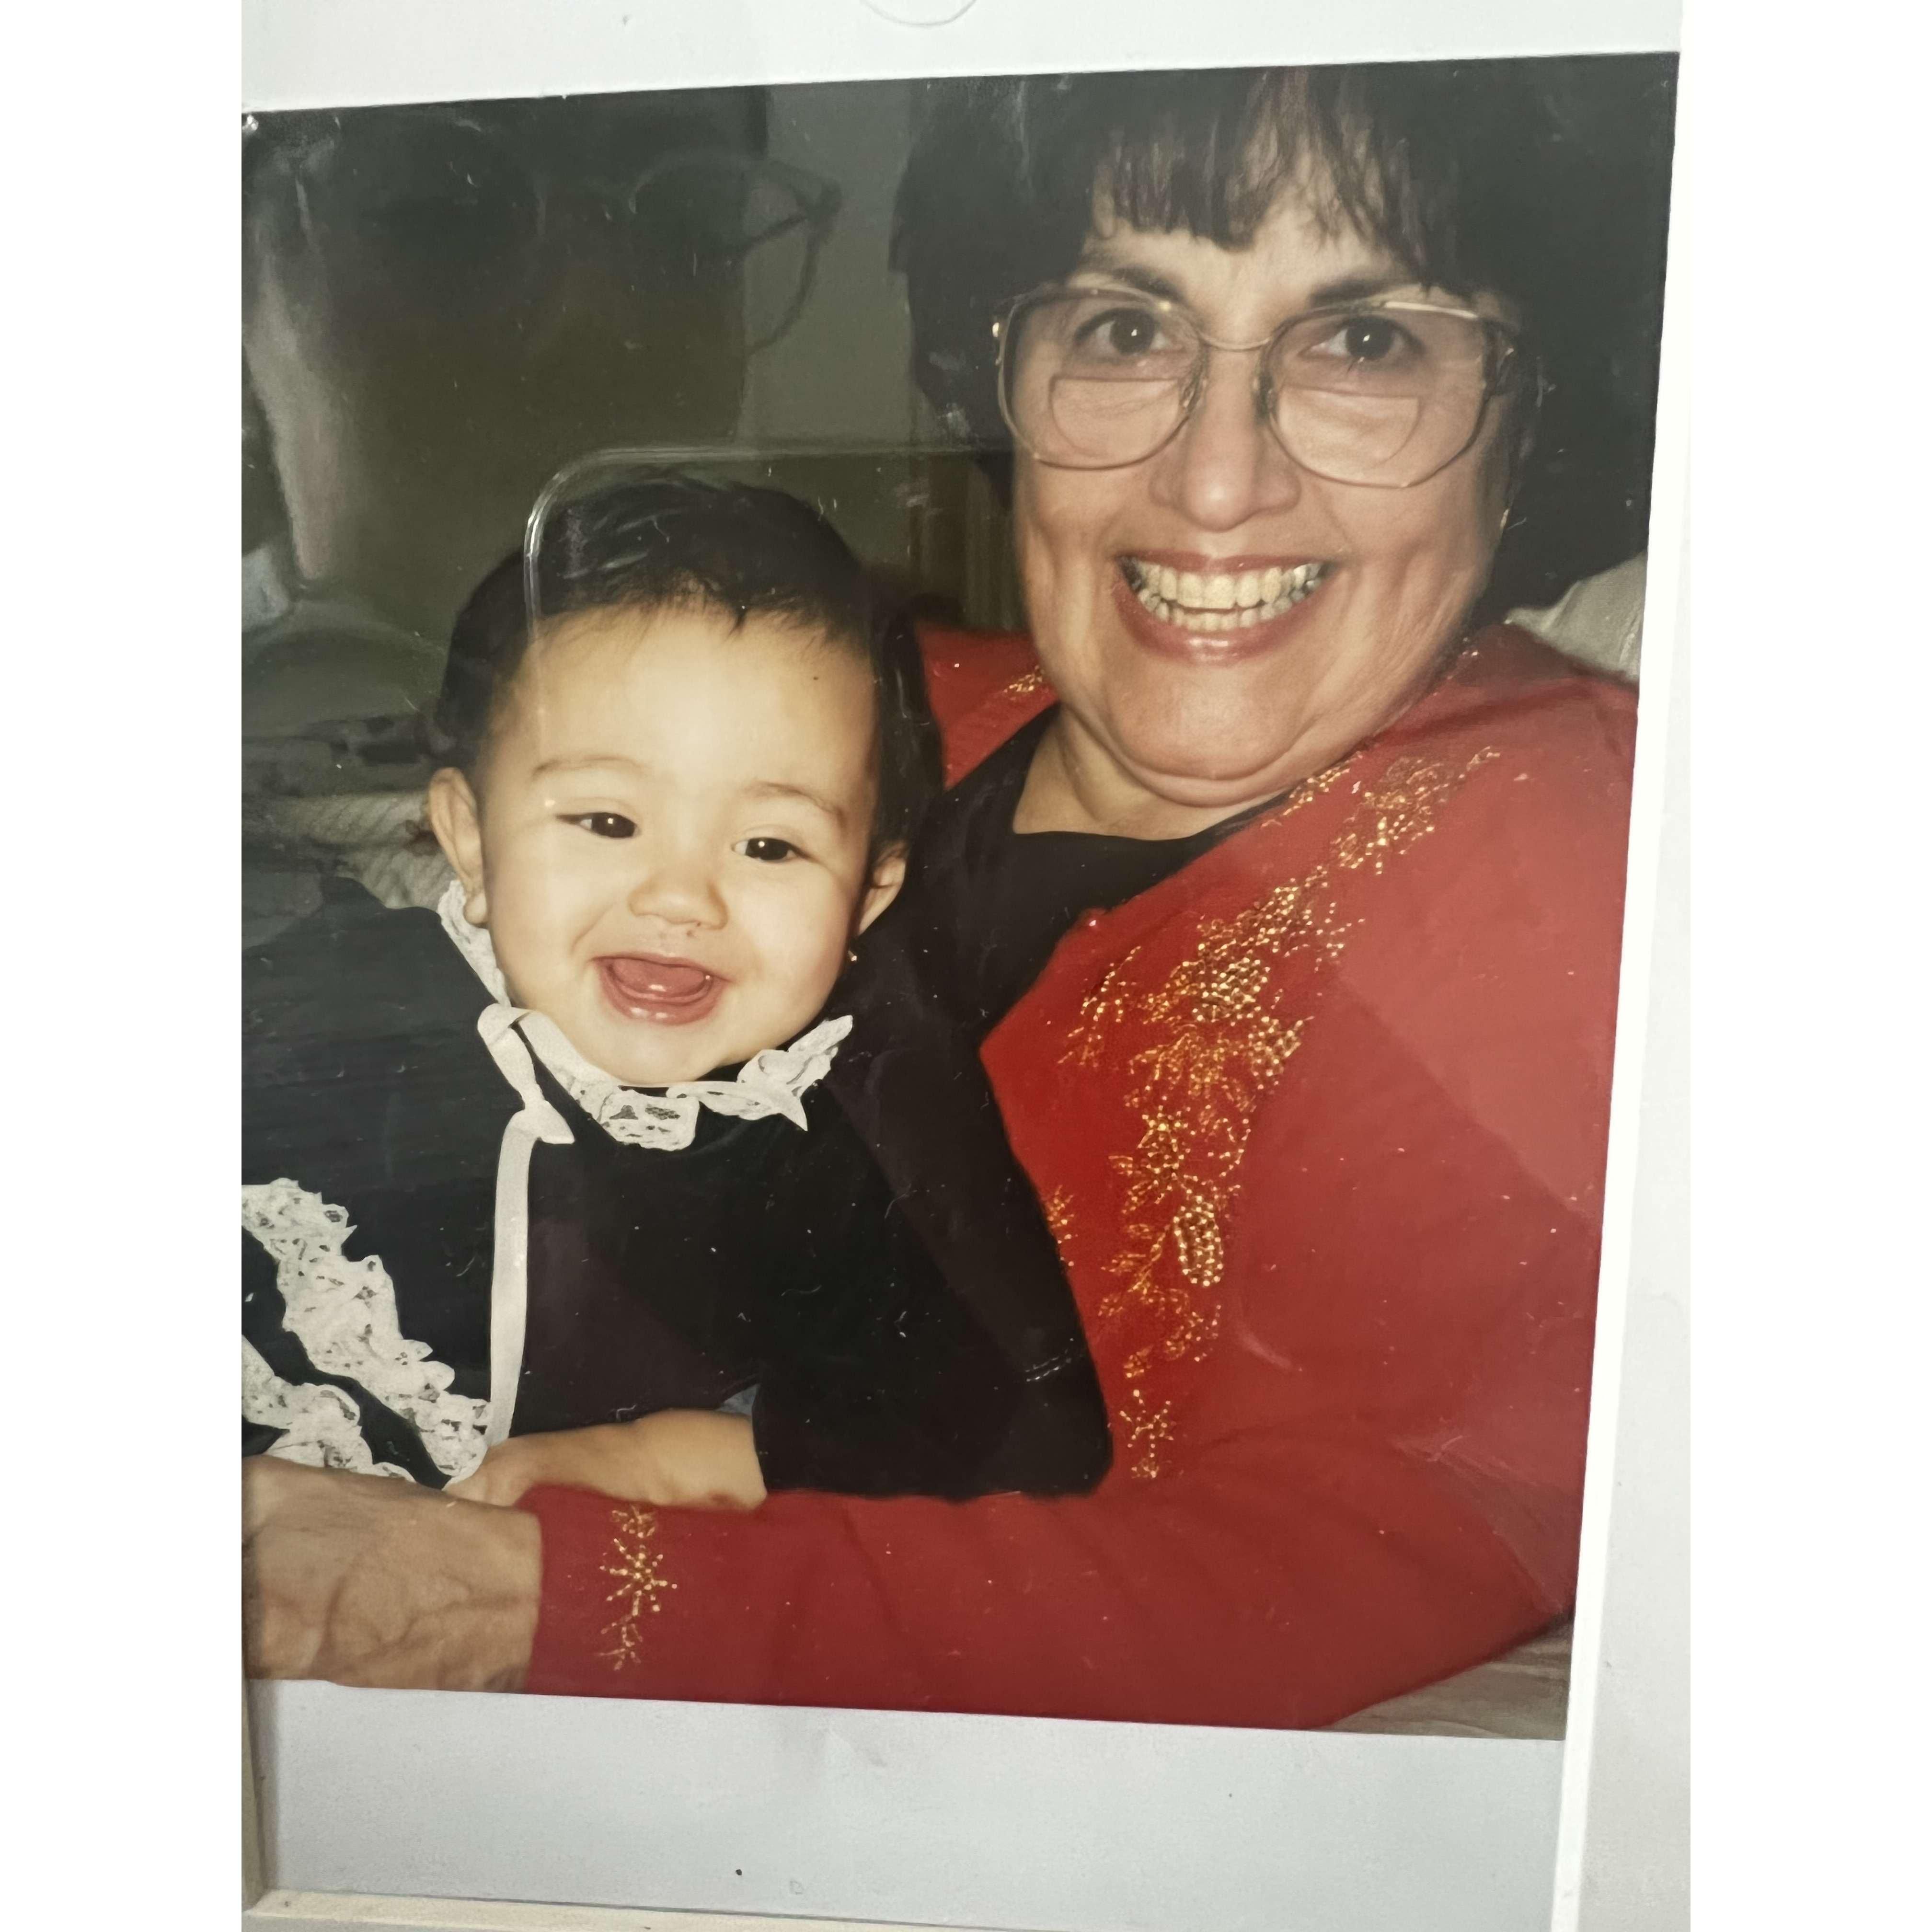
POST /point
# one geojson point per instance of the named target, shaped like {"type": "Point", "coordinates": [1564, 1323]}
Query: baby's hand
{"type": "Point", "coordinates": [691, 1459]}
{"type": "Point", "coordinates": [512, 1467]}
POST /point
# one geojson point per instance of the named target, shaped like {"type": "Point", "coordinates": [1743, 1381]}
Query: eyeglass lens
{"type": "Point", "coordinates": [1093, 379]}
{"type": "Point", "coordinates": [726, 217]}
{"type": "Point", "coordinates": [444, 211]}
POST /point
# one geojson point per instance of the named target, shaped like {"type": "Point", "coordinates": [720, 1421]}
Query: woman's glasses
{"type": "Point", "coordinates": [449, 214]}
{"type": "Point", "coordinates": [1386, 393]}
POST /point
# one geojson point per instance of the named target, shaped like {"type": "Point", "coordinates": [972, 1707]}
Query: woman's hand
{"type": "Point", "coordinates": [365, 1579]}
{"type": "Point", "coordinates": [688, 1458]}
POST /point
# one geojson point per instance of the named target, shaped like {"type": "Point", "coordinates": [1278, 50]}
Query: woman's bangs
{"type": "Point", "coordinates": [1216, 160]}
{"type": "Point", "coordinates": [1211, 159]}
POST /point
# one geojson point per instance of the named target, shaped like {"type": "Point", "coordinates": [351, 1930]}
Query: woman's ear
{"type": "Point", "coordinates": [458, 826]}
{"type": "Point", "coordinates": [889, 872]}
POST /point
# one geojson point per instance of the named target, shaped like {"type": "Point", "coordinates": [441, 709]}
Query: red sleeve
{"type": "Point", "coordinates": [1375, 1478]}
{"type": "Point", "coordinates": [1285, 1581]}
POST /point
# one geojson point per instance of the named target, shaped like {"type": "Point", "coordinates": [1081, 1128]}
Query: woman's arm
{"type": "Point", "coordinates": [1288, 1586]}
{"type": "Point", "coordinates": [1391, 1493]}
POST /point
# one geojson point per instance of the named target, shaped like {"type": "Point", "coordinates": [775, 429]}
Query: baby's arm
{"type": "Point", "coordinates": [694, 1458]}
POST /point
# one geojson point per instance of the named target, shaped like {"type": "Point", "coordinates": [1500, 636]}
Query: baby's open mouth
{"type": "Point", "coordinates": [1210, 601]}
{"type": "Point", "coordinates": [647, 987]}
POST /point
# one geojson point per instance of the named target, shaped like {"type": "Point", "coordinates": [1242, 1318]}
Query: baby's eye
{"type": "Point", "coordinates": [604, 824]}
{"type": "Point", "coordinates": [772, 851]}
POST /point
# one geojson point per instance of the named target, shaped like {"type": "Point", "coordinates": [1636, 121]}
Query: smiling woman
{"type": "Point", "coordinates": [1171, 699]}
{"type": "Point", "coordinates": [1283, 892]}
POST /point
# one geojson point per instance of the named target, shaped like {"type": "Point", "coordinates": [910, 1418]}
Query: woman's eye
{"type": "Point", "coordinates": [770, 851]}
{"type": "Point", "coordinates": [1372, 338]}
{"type": "Point", "coordinates": [1368, 338]}
{"type": "Point", "coordinates": [605, 824]}
{"type": "Point", "coordinates": [1124, 334]}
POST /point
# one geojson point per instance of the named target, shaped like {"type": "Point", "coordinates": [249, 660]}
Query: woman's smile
{"type": "Point", "coordinates": [1209, 610]}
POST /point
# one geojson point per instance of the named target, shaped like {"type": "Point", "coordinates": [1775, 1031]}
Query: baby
{"type": "Point", "coordinates": [635, 1168]}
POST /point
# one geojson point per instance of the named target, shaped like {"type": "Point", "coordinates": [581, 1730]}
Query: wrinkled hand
{"type": "Point", "coordinates": [365, 1579]}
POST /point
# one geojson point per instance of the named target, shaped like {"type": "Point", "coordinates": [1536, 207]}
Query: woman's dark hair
{"type": "Point", "coordinates": [1545, 181]}
{"type": "Point", "coordinates": [664, 541]}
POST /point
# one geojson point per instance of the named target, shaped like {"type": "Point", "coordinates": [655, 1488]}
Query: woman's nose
{"type": "Point", "coordinates": [1225, 466]}
{"type": "Point", "coordinates": [679, 888]}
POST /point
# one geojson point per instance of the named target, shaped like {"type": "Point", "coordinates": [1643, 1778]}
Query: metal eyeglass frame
{"type": "Point", "coordinates": [1509, 365]}
{"type": "Point", "coordinates": [818, 198]}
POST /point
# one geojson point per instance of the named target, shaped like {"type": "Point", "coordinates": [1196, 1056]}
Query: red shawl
{"type": "Point", "coordinates": [1319, 1123]}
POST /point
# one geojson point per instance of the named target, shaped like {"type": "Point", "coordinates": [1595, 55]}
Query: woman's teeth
{"type": "Point", "coordinates": [1223, 601]}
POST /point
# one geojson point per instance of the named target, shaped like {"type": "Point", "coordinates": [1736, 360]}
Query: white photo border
{"type": "Point", "coordinates": [349, 53]}
{"type": "Point", "coordinates": [1277, 1800]}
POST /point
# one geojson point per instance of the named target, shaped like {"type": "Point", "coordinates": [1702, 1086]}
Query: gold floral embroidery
{"type": "Point", "coordinates": [1024, 686]}
{"type": "Point", "coordinates": [641, 1581]}
{"type": "Point", "coordinates": [1058, 1209]}
{"type": "Point", "coordinates": [1216, 1044]}
{"type": "Point", "coordinates": [1401, 809]}
{"type": "Point", "coordinates": [1149, 1429]}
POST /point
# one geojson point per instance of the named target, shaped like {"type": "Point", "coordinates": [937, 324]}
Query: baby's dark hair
{"type": "Point", "coordinates": [664, 541]}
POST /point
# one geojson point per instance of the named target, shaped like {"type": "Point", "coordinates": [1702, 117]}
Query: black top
{"type": "Point", "coordinates": [984, 906]}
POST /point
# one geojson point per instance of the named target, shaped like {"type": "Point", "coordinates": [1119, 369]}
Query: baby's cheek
{"type": "Point", "coordinates": [807, 945]}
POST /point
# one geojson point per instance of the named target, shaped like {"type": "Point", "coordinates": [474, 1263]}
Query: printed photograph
{"type": "Point", "coordinates": [936, 778]}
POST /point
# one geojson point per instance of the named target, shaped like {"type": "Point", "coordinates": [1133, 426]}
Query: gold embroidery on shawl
{"type": "Point", "coordinates": [1058, 1209]}
{"type": "Point", "coordinates": [1024, 686]}
{"type": "Point", "coordinates": [1216, 1044]}
{"type": "Point", "coordinates": [1149, 1428]}
{"type": "Point", "coordinates": [641, 1581]}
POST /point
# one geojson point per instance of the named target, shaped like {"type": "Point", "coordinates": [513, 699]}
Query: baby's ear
{"type": "Point", "coordinates": [458, 826]}
{"type": "Point", "coordinates": [889, 872]}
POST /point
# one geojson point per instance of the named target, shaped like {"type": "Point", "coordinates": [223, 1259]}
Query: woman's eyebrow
{"type": "Point", "coordinates": [1131, 275]}
{"type": "Point", "coordinates": [1360, 288]}
{"type": "Point", "coordinates": [1326, 295]}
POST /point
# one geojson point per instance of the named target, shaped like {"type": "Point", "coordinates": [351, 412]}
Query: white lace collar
{"type": "Point", "coordinates": [774, 1082]}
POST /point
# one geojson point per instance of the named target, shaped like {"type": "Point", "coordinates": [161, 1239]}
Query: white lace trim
{"type": "Point", "coordinates": [774, 1082]}
{"type": "Point", "coordinates": [343, 1312]}
{"type": "Point", "coordinates": [321, 1425]}
{"type": "Point", "coordinates": [471, 941]}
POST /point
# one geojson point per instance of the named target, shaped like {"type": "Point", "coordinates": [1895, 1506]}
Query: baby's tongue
{"type": "Point", "coordinates": [656, 979]}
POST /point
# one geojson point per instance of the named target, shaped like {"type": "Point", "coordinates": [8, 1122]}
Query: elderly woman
{"type": "Point", "coordinates": [1289, 905]}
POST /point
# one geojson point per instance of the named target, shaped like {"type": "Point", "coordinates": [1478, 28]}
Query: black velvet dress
{"type": "Point", "coordinates": [885, 1339]}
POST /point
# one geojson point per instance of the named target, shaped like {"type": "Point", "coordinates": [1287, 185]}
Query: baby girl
{"type": "Point", "coordinates": [605, 1174]}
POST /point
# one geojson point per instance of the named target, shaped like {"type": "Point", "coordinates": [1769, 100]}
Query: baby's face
{"type": "Point", "coordinates": [670, 848]}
